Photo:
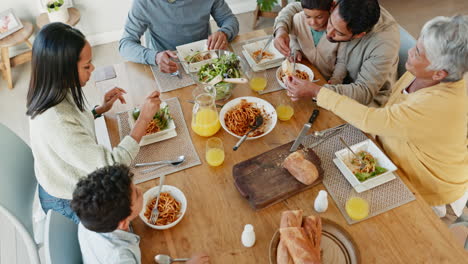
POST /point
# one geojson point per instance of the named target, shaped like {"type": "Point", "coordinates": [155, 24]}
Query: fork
{"type": "Point", "coordinates": [260, 56]}
{"type": "Point", "coordinates": [362, 165]}
{"type": "Point", "coordinates": [155, 211]}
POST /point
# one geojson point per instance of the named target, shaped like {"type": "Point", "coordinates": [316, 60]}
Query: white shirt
{"type": "Point", "coordinates": [117, 247]}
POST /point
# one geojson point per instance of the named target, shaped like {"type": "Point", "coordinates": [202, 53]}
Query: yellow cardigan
{"type": "Point", "coordinates": [424, 133]}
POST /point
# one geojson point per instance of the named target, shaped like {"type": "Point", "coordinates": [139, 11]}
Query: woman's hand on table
{"type": "Point", "coordinates": [217, 40]}
{"type": "Point", "coordinates": [109, 99]}
{"type": "Point", "coordinates": [164, 63]}
{"type": "Point", "coordinates": [147, 111]}
{"type": "Point", "coordinates": [298, 88]}
{"type": "Point", "coordinates": [199, 258]}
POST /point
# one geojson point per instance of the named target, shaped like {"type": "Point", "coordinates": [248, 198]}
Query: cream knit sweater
{"type": "Point", "coordinates": [63, 142]}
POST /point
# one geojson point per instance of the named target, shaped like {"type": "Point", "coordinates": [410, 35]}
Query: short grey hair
{"type": "Point", "coordinates": [446, 42]}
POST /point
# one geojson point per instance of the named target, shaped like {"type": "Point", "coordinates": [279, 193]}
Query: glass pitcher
{"type": "Point", "coordinates": [205, 118]}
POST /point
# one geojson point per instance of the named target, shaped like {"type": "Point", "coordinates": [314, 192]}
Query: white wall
{"type": "Point", "coordinates": [102, 21]}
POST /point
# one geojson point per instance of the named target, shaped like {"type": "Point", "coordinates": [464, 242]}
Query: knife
{"type": "Point", "coordinates": [304, 130]}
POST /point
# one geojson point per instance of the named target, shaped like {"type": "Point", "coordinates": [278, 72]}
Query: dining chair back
{"type": "Point", "coordinates": [16, 197]}
{"type": "Point", "coordinates": [406, 43]}
{"type": "Point", "coordinates": [61, 240]}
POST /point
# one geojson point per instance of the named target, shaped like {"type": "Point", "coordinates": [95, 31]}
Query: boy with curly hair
{"type": "Point", "coordinates": [106, 202]}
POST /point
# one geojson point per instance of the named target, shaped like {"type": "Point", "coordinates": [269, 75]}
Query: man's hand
{"type": "Point", "coordinates": [298, 88]}
{"type": "Point", "coordinates": [164, 63]}
{"type": "Point", "coordinates": [281, 41]}
{"type": "Point", "coordinates": [199, 259]}
{"type": "Point", "coordinates": [298, 56]}
{"type": "Point", "coordinates": [217, 40]}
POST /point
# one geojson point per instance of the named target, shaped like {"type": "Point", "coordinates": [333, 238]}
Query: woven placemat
{"type": "Point", "coordinates": [166, 82]}
{"type": "Point", "coordinates": [272, 83]}
{"type": "Point", "coordinates": [164, 150]}
{"type": "Point", "coordinates": [381, 198]}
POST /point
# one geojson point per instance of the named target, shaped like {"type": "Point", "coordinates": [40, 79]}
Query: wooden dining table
{"type": "Point", "coordinates": [217, 213]}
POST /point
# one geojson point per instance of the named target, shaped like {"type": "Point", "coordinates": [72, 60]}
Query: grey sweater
{"type": "Point", "coordinates": [168, 25]}
{"type": "Point", "coordinates": [371, 61]}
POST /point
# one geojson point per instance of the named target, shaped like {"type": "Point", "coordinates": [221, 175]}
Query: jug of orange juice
{"type": "Point", "coordinates": [205, 118]}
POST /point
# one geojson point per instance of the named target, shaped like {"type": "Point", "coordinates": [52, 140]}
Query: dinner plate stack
{"type": "Point", "coordinates": [269, 62]}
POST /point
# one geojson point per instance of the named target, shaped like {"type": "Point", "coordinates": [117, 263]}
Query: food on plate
{"type": "Point", "coordinates": [287, 70]}
{"type": "Point", "coordinates": [227, 66]}
{"type": "Point", "coordinates": [299, 246]}
{"type": "Point", "coordinates": [301, 168]}
{"type": "Point", "coordinates": [197, 57]}
{"type": "Point", "coordinates": [301, 237]}
{"type": "Point", "coordinates": [370, 169]}
{"type": "Point", "coordinates": [288, 219]}
{"type": "Point", "coordinates": [313, 228]}
{"type": "Point", "coordinates": [169, 209]}
{"type": "Point", "coordinates": [160, 120]}
{"type": "Point", "coordinates": [241, 118]}
{"type": "Point", "coordinates": [265, 55]}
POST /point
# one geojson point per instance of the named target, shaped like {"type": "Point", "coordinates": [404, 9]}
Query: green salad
{"type": "Point", "coordinates": [161, 118]}
{"type": "Point", "coordinates": [369, 169]}
{"type": "Point", "coordinates": [228, 66]}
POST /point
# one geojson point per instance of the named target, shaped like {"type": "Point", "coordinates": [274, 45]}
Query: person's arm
{"type": "Point", "coordinates": [376, 68]}
{"type": "Point", "coordinates": [285, 16]}
{"type": "Point", "coordinates": [130, 44]}
{"type": "Point", "coordinates": [340, 71]}
{"type": "Point", "coordinates": [126, 256]}
{"type": "Point", "coordinates": [73, 143]}
{"type": "Point", "coordinates": [405, 119]}
{"type": "Point", "coordinates": [225, 19]}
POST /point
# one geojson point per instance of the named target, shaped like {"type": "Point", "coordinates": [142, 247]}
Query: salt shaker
{"type": "Point", "coordinates": [248, 236]}
{"type": "Point", "coordinates": [321, 202]}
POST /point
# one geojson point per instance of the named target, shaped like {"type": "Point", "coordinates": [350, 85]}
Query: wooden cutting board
{"type": "Point", "coordinates": [263, 180]}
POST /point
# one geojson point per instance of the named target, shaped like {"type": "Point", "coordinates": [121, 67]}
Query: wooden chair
{"type": "Point", "coordinates": [258, 13]}
{"type": "Point", "coordinates": [19, 37]}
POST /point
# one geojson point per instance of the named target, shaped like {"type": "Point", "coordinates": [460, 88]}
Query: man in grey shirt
{"type": "Point", "coordinates": [170, 23]}
{"type": "Point", "coordinates": [106, 202]}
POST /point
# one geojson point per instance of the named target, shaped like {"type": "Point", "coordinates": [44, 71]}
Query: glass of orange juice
{"type": "Point", "coordinates": [284, 109]}
{"type": "Point", "coordinates": [258, 80]}
{"type": "Point", "coordinates": [357, 208]}
{"type": "Point", "coordinates": [214, 151]}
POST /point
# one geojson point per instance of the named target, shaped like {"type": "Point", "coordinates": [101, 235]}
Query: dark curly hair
{"type": "Point", "coordinates": [317, 4]}
{"type": "Point", "coordinates": [360, 15]}
{"type": "Point", "coordinates": [104, 198]}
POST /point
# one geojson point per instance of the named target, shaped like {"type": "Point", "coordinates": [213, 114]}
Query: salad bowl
{"type": "Point", "coordinates": [225, 64]}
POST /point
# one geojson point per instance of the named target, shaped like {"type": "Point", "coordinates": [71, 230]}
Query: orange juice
{"type": "Point", "coordinates": [258, 83]}
{"type": "Point", "coordinates": [215, 156]}
{"type": "Point", "coordinates": [206, 122]}
{"type": "Point", "coordinates": [284, 112]}
{"type": "Point", "coordinates": [357, 208]}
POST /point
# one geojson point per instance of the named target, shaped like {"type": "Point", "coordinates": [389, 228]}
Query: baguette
{"type": "Point", "coordinates": [299, 167]}
{"type": "Point", "coordinates": [313, 228]}
{"type": "Point", "coordinates": [299, 246]}
{"type": "Point", "coordinates": [288, 219]}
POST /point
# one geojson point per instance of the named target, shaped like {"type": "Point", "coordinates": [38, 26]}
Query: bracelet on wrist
{"type": "Point", "coordinates": [95, 114]}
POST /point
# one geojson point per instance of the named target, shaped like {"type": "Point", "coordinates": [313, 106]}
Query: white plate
{"type": "Point", "coordinates": [382, 160]}
{"type": "Point", "coordinates": [269, 123]}
{"type": "Point", "coordinates": [300, 67]}
{"type": "Point", "coordinates": [189, 49]}
{"type": "Point", "coordinates": [258, 45]}
{"type": "Point", "coordinates": [175, 192]}
{"type": "Point", "coordinates": [257, 68]}
{"type": "Point", "coordinates": [167, 133]}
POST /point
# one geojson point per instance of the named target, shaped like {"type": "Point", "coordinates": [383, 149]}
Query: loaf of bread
{"type": "Point", "coordinates": [313, 228]}
{"type": "Point", "coordinates": [288, 219]}
{"type": "Point", "coordinates": [299, 167]}
{"type": "Point", "coordinates": [299, 246]}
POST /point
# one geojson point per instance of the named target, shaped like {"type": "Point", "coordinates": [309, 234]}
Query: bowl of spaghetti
{"type": "Point", "coordinates": [302, 72]}
{"type": "Point", "coordinates": [172, 206]}
{"type": "Point", "coordinates": [238, 115]}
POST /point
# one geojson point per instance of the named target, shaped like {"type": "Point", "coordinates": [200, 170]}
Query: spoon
{"type": "Point", "coordinates": [165, 259]}
{"type": "Point", "coordinates": [258, 123]}
{"type": "Point", "coordinates": [323, 132]}
{"type": "Point", "coordinates": [175, 162]}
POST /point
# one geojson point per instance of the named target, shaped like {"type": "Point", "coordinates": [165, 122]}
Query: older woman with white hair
{"type": "Point", "coordinates": [423, 126]}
